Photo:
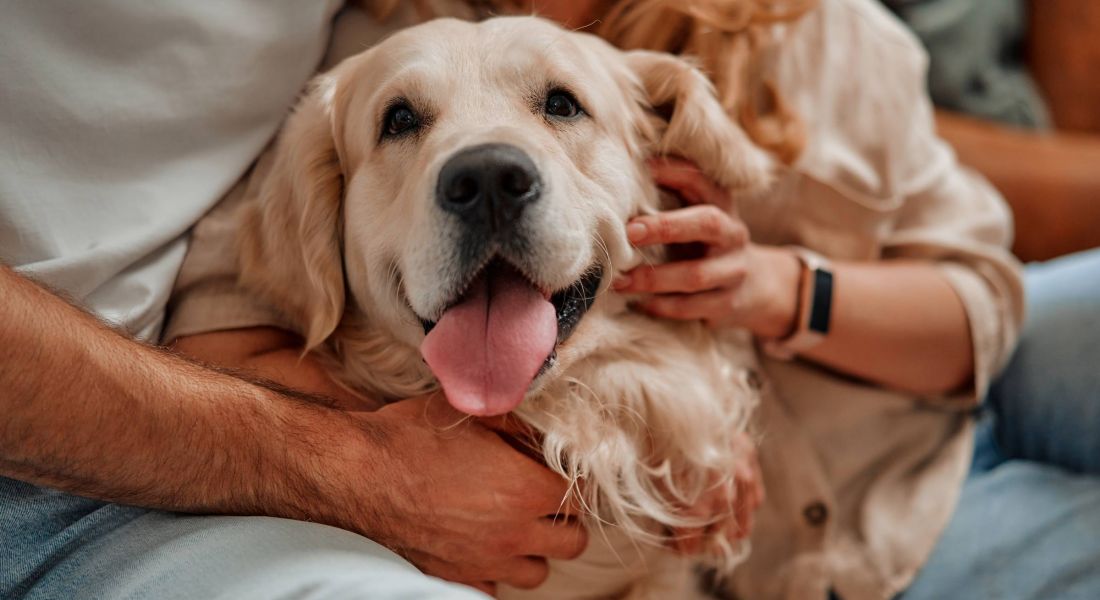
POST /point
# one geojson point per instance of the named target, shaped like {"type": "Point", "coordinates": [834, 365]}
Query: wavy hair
{"type": "Point", "coordinates": [728, 39]}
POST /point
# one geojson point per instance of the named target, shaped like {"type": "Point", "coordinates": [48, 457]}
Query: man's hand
{"type": "Point", "coordinates": [445, 492]}
{"type": "Point", "coordinates": [440, 488]}
{"type": "Point", "coordinates": [88, 411]}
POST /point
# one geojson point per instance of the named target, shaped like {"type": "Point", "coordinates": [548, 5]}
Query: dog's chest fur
{"type": "Point", "coordinates": [637, 401]}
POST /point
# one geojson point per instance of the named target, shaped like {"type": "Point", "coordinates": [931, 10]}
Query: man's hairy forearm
{"type": "Point", "coordinates": [91, 412]}
{"type": "Point", "coordinates": [85, 410]}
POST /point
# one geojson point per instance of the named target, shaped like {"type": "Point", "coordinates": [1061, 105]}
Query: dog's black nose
{"type": "Point", "coordinates": [488, 186]}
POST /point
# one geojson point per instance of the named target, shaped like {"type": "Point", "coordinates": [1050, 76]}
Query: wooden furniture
{"type": "Point", "coordinates": [1050, 179]}
{"type": "Point", "coordinates": [1064, 52]}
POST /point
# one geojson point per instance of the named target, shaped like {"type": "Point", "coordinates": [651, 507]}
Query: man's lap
{"type": "Point", "coordinates": [109, 551]}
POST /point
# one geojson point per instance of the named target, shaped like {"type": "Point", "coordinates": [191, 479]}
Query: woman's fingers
{"type": "Point", "coordinates": [689, 182]}
{"type": "Point", "coordinates": [705, 223]}
{"type": "Point", "coordinates": [744, 508]}
{"type": "Point", "coordinates": [730, 504]}
{"type": "Point", "coordinates": [748, 472]}
{"type": "Point", "coordinates": [725, 271]}
{"type": "Point", "coordinates": [750, 485]}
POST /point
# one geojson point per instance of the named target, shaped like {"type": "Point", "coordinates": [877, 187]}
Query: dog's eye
{"type": "Point", "coordinates": [400, 119]}
{"type": "Point", "coordinates": [561, 104]}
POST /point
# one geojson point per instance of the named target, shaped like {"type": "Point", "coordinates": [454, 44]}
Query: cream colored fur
{"type": "Point", "coordinates": [347, 240]}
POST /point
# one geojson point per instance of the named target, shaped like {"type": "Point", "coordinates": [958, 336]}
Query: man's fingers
{"type": "Point", "coordinates": [689, 182]}
{"type": "Point", "coordinates": [520, 572]}
{"type": "Point", "coordinates": [525, 573]}
{"type": "Point", "coordinates": [686, 276]}
{"type": "Point", "coordinates": [705, 223]}
{"type": "Point", "coordinates": [544, 492]}
{"type": "Point", "coordinates": [557, 537]}
{"type": "Point", "coordinates": [688, 307]}
{"type": "Point", "coordinates": [486, 587]}
{"type": "Point", "coordinates": [442, 569]}
{"type": "Point", "coordinates": [551, 495]}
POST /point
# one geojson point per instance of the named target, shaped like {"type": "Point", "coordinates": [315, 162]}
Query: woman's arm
{"type": "Point", "coordinates": [898, 323]}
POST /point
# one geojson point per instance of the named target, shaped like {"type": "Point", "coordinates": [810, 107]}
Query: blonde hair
{"type": "Point", "coordinates": [727, 38]}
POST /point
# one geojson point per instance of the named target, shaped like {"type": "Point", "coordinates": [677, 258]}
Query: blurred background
{"type": "Point", "coordinates": [1017, 83]}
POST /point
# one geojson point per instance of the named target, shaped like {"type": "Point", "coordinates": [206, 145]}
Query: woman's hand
{"type": "Point", "coordinates": [735, 283]}
{"type": "Point", "coordinates": [898, 323]}
{"type": "Point", "coordinates": [453, 495]}
{"type": "Point", "coordinates": [731, 502]}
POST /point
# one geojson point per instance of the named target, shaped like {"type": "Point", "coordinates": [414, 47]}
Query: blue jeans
{"type": "Point", "coordinates": [1028, 524]}
{"type": "Point", "coordinates": [54, 546]}
{"type": "Point", "coordinates": [1027, 528]}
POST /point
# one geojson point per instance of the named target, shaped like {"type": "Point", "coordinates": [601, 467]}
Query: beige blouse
{"type": "Point", "coordinates": [861, 480]}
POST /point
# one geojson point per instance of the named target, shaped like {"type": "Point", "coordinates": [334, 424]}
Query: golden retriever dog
{"type": "Point", "coordinates": [447, 210]}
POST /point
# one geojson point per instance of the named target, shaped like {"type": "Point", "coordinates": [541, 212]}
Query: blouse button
{"type": "Point", "coordinates": [816, 513]}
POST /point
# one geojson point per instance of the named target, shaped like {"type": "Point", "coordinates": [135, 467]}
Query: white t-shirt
{"type": "Point", "coordinates": [122, 122]}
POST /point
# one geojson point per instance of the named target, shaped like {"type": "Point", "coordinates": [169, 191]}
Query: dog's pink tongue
{"type": "Point", "coordinates": [487, 349]}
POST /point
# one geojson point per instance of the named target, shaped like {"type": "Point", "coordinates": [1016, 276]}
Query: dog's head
{"type": "Point", "coordinates": [464, 187]}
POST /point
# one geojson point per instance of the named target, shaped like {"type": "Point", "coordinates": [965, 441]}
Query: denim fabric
{"type": "Point", "coordinates": [57, 546]}
{"type": "Point", "coordinates": [1047, 403]}
{"type": "Point", "coordinates": [41, 528]}
{"type": "Point", "coordinates": [1022, 531]}
{"type": "Point", "coordinates": [1028, 523]}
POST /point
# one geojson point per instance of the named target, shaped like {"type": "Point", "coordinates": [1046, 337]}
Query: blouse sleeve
{"type": "Point", "coordinates": [859, 78]}
{"type": "Point", "coordinates": [953, 216]}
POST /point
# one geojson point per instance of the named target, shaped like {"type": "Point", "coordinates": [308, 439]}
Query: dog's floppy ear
{"type": "Point", "coordinates": [292, 230]}
{"type": "Point", "coordinates": [695, 126]}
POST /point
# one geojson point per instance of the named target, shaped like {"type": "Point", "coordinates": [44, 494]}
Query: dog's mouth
{"type": "Point", "coordinates": [500, 334]}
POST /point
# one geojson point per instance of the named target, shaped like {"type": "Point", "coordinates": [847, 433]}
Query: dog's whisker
{"type": "Point", "coordinates": [582, 27]}
{"type": "Point", "coordinates": [465, 419]}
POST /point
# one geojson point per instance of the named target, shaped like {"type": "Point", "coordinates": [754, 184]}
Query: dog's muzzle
{"type": "Point", "coordinates": [500, 329]}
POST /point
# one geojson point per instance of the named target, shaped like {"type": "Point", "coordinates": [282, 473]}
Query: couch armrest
{"type": "Point", "coordinates": [1064, 51]}
{"type": "Point", "coordinates": [1051, 181]}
